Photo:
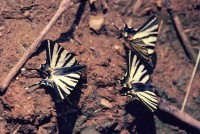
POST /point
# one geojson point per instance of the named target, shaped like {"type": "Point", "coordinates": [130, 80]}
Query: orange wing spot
{"type": "Point", "coordinates": [130, 37]}
{"type": "Point", "coordinates": [50, 70]}
{"type": "Point", "coordinates": [129, 85]}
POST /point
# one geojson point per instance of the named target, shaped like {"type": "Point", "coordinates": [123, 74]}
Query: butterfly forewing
{"type": "Point", "coordinates": [148, 34]}
{"type": "Point", "coordinates": [136, 70]}
{"type": "Point", "coordinates": [58, 57]}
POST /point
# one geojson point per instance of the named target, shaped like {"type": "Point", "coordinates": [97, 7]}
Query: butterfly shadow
{"type": "Point", "coordinates": [144, 120]}
{"type": "Point", "coordinates": [67, 110]}
{"type": "Point", "coordinates": [69, 34]}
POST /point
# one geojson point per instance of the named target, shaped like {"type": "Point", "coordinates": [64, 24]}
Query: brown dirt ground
{"type": "Point", "coordinates": [40, 112]}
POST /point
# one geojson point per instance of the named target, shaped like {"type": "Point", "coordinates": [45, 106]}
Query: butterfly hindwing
{"type": "Point", "coordinates": [148, 99]}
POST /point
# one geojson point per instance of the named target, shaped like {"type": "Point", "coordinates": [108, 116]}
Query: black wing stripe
{"type": "Point", "coordinates": [144, 76]}
{"type": "Point", "coordinates": [68, 60]}
{"type": "Point", "coordinates": [49, 51]}
{"type": "Point", "coordinates": [54, 54]}
{"type": "Point", "coordinates": [60, 52]}
{"type": "Point", "coordinates": [74, 78]}
{"type": "Point", "coordinates": [150, 98]}
{"type": "Point", "coordinates": [70, 86]}
{"type": "Point", "coordinates": [55, 86]}
{"type": "Point", "coordinates": [149, 23]}
{"type": "Point", "coordinates": [149, 105]}
{"type": "Point", "coordinates": [150, 35]}
{"type": "Point", "coordinates": [62, 85]}
{"type": "Point", "coordinates": [151, 47]}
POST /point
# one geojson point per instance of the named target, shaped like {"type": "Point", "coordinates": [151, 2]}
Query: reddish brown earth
{"type": "Point", "coordinates": [96, 105]}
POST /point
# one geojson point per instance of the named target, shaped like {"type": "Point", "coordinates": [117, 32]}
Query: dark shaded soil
{"type": "Point", "coordinates": [96, 105]}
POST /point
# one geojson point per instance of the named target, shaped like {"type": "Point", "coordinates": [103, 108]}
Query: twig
{"type": "Point", "coordinates": [137, 5]}
{"type": "Point", "coordinates": [191, 80]}
{"type": "Point", "coordinates": [190, 29]}
{"type": "Point", "coordinates": [181, 116]}
{"type": "Point", "coordinates": [160, 27]}
{"type": "Point", "coordinates": [127, 7]}
{"type": "Point", "coordinates": [17, 129]}
{"type": "Point", "coordinates": [92, 1]}
{"type": "Point", "coordinates": [186, 43]}
{"type": "Point", "coordinates": [104, 4]}
{"type": "Point", "coordinates": [64, 4]}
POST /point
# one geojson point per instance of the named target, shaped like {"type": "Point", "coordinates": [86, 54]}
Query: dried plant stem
{"type": "Point", "coordinates": [104, 4]}
{"type": "Point", "coordinates": [186, 42]}
{"type": "Point", "coordinates": [137, 5]}
{"type": "Point", "coordinates": [17, 129]}
{"type": "Point", "coordinates": [63, 6]}
{"type": "Point", "coordinates": [181, 116]}
{"type": "Point", "coordinates": [191, 80]}
{"type": "Point", "coordinates": [160, 27]}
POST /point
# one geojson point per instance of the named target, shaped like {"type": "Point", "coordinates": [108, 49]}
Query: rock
{"type": "Point", "coordinates": [106, 103]}
{"type": "Point", "coordinates": [90, 130]}
{"type": "Point", "coordinates": [96, 22]}
{"type": "Point", "coordinates": [92, 1]}
{"type": "Point", "coordinates": [2, 28]}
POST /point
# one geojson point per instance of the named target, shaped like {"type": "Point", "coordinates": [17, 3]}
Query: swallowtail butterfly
{"type": "Point", "coordinates": [136, 83]}
{"type": "Point", "coordinates": [142, 41]}
{"type": "Point", "coordinates": [61, 70]}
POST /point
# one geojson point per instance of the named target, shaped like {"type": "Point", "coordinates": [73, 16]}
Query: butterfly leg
{"type": "Point", "coordinates": [32, 90]}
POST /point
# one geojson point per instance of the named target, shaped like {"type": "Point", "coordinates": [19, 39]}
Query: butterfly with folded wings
{"type": "Point", "coordinates": [143, 40]}
{"type": "Point", "coordinates": [136, 83]}
{"type": "Point", "coordinates": [61, 70]}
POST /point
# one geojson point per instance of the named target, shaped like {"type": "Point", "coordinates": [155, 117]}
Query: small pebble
{"type": "Point", "coordinates": [106, 103]}
{"type": "Point", "coordinates": [96, 22]}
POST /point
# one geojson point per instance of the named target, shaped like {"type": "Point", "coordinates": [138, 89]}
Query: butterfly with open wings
{"type": "Point", "coordinates": [61, 70]}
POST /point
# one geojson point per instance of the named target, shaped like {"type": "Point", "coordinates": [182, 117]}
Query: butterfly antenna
{"type": "Point", "coordinates": [115, 26]}
{"type": "Point", "coordinates": [122, 20]}
{"type": "Point", "coordinates": [34, 85]}
{"type": "Point", "coordinates": [29, 69]}
{"type": "Point", "coordinates": [76, 41]}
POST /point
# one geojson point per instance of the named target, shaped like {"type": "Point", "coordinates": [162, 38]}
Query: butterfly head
{"type": "Point", "coordinates": [125, 91]}
{"type": "Point", "coordinates": [45, 70]}
{"type": "Point", "coordinates": [127, 31]}
{"type": "Point", "coordinates": [44, 67]}
{"type": "Point", "coordinates": [44, 82]}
